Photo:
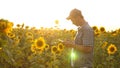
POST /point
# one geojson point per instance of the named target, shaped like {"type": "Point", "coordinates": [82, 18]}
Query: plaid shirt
{"type": "Point", "coordinates": [84, 37]}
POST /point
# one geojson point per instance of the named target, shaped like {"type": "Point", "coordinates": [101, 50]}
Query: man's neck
{"type": "Point", "coordinates": [82, 22]}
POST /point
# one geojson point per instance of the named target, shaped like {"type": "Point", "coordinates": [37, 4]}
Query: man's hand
{"type": "Point", "coordinates": [68, 43]}
{"type": "Point", "coordinates": [81, 48]}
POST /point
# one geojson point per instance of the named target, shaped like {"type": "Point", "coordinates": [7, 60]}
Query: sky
{"type": "Point", "coordinates": [43, 13]}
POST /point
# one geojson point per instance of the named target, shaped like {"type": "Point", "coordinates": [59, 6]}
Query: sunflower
{"type": "Point", "coordinates": [104, 44]}
{"type": "Point", "coordinates": [35, 49]}
{"type": "Point", "coordinates": [3, 25]}
{"type": "Point", "coordinates": [46, 47]}
{"type": "Point", "coordinates": [26, 27]}
{"type": "Point", "coordinates": [111, 49]}
{"type": "Point", "coordinates": [60, 46]}
{"type": "Point", "coordinates": [10, 24]}
{"type": "Point", "coordinates": [11, 35]}
{"type": "Point", "coordinates": [95, 28]}
{"type": "Point", "coordinates": [18, 25]}
{"type": "Point", "coordinates": [40, 42]}
{"type": "Point", "coordinates": [102, 29]}
{"type": "Point", "coordinates": [54, 49]}
{"type": "Point", "coordinates": [29, 34]}
{"type": "Point", "coordinates": [8, 28]}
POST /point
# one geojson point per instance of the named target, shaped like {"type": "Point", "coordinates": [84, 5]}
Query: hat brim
{"type": "Point", "coordinates": [68, 18]}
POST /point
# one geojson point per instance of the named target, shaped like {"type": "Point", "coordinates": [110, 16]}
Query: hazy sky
{"type": "Point", "coordinates": [44, 12]}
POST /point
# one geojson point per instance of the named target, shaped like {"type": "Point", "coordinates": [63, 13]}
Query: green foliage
{"type": "Point", "coordinates": [101, 57]}
{"type": "Point", "coordinates": [15, 51]}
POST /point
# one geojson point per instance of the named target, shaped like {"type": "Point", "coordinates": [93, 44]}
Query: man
{"type": "Point", "coordinates": [83, 42]}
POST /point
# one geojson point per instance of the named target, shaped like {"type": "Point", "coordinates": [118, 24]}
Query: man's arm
{"type": "Point", "coordinates": [81, 48]}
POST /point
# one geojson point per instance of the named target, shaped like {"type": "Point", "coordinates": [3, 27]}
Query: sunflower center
{"type": "Point", "coordinates": [54, 49]}
{"type": "Point", "coordinates": [60, 47]}
{"type": "Point", "coordinates": [39, 43]}
{"type": "Point", "coordinates": [112, 49]}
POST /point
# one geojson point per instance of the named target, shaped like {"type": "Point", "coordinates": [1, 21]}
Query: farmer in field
{"type": "Point", "coordinates": [84, 40]}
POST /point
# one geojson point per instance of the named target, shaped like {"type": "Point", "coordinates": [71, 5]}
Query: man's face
{"type": "Point", "coordinates": [75, 21]}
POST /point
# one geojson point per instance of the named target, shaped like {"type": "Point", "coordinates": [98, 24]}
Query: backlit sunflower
{"type": "Point", "coordinates": [104, 44]}
{"type": "Point", "coordinates": [111, 49]}
{"type": "Point", "coordinates": [60, 46]}
{"type": "Point", "coordinates": [46, 47]}
{"type": "Point", "coordinates": [18, 25]}
{"type": "Point", "coordinates": [95, 28]}
{"type": "Point", "coordinates": [26, 27]}
{"type": "Point", "coordinates": [29, 34]}
{"type": "Point", "coordinates": [40, 42]}
{"type": "Point", "coordinates": [54, 49]}
{"type": "Point", "coordinates": [10, 24]}
{"type": "Point", "coordinates": [11, 35]}
{"type": "Point", "coordinates": [3, 25]}
{"type": "Point", "coordinates": [7, 30]}
{"type": "Point", "coordinates": [34, 49]}
{"type": "Point", "coordinates": [6, 26]}
{"type": "Point", "coordinates": [102, 29]}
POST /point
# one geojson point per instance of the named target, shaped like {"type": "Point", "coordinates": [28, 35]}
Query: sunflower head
{"type": "Point", "coordinates": [104, 44]}
{"type": "Point", "coordinates": [54, 49]}
{"type": "Point", "coordinates": [10, 25]}
{"type": "Point", "coordinates": [29, 34]}
{"type": "Point", "coordinates": [11, 35]}
{"type": "Point", "coordinates": [18, 25]}
{"type": "Point", "coordinates": [60, 46]}
{"type": "Point", "coordinates": [40, 42]}
{"type": "Point", "coordinates": [111, 49]}
{"type": "Point", "coordinates": [26, 27]}
{"type": "Point", "coordinates": [5, 26]}
{"type": "Point", "coordinates": [102, 29]}
{"type": "Point", "coordinates": [46, 47]}
{"type": "Point", "coordinates": [95, 28]}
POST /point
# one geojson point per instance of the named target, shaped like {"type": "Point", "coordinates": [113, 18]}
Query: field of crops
{"type": "Point", "coordinates": [28, 47]}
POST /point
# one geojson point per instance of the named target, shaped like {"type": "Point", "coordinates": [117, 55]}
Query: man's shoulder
{"type": "Point", "coordinates": [87, 28]}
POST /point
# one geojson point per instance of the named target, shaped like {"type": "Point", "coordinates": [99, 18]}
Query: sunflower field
{"type": "Point", "coordinates": [29, 47]}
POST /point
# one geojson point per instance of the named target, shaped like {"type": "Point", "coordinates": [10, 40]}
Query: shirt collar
{"type": "Point", "coordinates": [79, 27]}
